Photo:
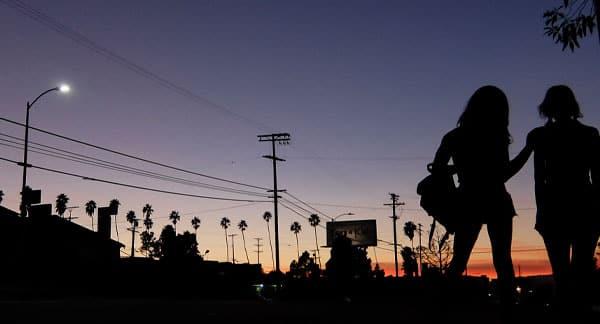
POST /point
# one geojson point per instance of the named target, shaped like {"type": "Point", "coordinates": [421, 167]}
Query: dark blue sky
{"type": "Point", "coordinates": [366, 88]}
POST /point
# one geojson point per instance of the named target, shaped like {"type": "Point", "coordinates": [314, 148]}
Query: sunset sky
{"type": "Point", "coordinates": [365, 88]}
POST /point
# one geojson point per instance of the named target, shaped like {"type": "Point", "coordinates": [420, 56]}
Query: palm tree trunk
{"type": "Point", "coordinates": [245, 250]}
{"type": "Point", "coordinates": [227, 245]}
{"type": "Point", "coordinates": [271, 244]}
{"type": "Point", "coordinates": [297, 247]}
{"type": "Point", "coordinates": [92, 217]}
{"type": "Point", "coordinates": [318, 252]}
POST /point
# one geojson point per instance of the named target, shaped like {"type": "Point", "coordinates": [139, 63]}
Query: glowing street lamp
{"type": "Point", "coordinates": [63, 88]}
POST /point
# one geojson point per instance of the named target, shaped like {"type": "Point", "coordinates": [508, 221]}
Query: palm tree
{"type": "Point", "coordinates": [148, 223]}
{"type": "Point", "coordinates": [146, 236]}
{"type": "Point", "coordinates": [174, 217]}
{"type": "Point", "coordinates": [296, 228]}
{"type": "Point", "coordinates": [61, 204]}
{"type": "Point", "coordinates": [90, 208]}
{"type": "Point", "coordinates": [267, 217]}
{"type": "Point", "coordinates": [225, 222]}
{"type": "Point", "coordinates": [196, 224]}
{"type": "Point", "coordinates": [147, 210]}
{"type": "Point", "coordinates": [131, 219]}
{"type": "Point", "coordinates": [314, 221]}
{"type": "Point", "coordinates": [114, 205]}
{"type": "Point", "coordinates": [409, 231]}
{"type": "Point", "coordinates": [243, 226]}
{"type": "Point", "coordinates": [1, 196]}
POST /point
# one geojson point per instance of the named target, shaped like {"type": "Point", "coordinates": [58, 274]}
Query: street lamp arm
{"type": "Point", "coordinates": [29, 105]}
{"type": "Point", "coordinates": [344, 214]}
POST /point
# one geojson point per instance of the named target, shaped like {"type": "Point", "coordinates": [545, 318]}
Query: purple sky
{"type": "Point", "coordinates": [366, 90]}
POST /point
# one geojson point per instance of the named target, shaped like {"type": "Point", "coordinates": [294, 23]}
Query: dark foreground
{"type": "Point", "coordinates": [100, 310]}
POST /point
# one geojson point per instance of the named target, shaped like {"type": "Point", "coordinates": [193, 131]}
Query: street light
{"type": "Point", "coordinates": [344, 214]}
{"type": "Point", "coordinates": [63, 88]}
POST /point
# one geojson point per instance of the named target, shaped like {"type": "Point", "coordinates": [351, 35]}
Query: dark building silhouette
{"type": "Point", "coordinates": [46, 252]}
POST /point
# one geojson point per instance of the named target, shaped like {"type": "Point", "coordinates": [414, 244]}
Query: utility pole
{"type": "Point", "coordinates": [232, 247]}
{"type": "Point", "coordinates": [281, 138]}
{"type": "Point", "coordinates": [394, 198]}
{"type": "Point", "coordinates": [420, 231]}
{"type": "Point", "coordinates": [133, 231]}
{"type": "Point", "coordinates": [258, 250]}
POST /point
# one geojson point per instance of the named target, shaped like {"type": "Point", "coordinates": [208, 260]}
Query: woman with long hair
{"type": "Point", "coordinates": [478, 147]}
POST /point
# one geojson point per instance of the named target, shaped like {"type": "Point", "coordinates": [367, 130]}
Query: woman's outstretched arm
{"type": "Point", "coordinates": [516, 164]}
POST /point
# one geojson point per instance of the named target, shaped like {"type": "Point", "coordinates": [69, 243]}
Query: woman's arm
{"type": "Point", "coordinates": [516, 164]}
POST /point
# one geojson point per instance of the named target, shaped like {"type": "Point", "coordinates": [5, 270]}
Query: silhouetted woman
{"type": "Point", "coordinates": [567, 178]}
{"type": "Point", "coordinates": [478, 147]}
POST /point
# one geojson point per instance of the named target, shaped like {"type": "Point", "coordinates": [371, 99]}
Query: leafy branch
{"type": "Point", "coordinates": [570, 22]}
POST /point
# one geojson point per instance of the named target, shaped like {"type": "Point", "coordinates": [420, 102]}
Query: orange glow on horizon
{"type": "Point", "coordinates": [485, 268]}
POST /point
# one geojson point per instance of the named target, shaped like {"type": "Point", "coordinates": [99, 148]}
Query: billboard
{"type": "Point", "coordinates": [37, 211]}
{"type": "Point", "coordinates": [360, 232]}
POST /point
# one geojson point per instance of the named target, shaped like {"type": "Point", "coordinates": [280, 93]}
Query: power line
{"type": "Point", "coordinates": [83, 161]}
{"type": "Point", "coordinates": [298, 206]}
{"type": "Point", "coordinates": [309, 206]}
{"type": "Point", "coordinates": [132, 186]}
{"type": "Point", "coordinates": [217, 209]}
{"type": "Point", "coordinates": [323, 158]}
{"type": "Point", "coordinates": [122, 61]}
{"type": "Point", "coordinates": [347, 206]}
{"type": "Point", "coordinates": [297, 213]}
{"type": "Point", "coordinates": [132, 156]}
{"type": "Point", "coordinates": [80, 158]}
{"type": "Point", "coordinates": [200, 212]}
{"type": "Point", "coordinates": [381, 208]}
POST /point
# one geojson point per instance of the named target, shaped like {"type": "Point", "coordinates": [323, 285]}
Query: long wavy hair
{"type": "Point", "coordinates": [486, 114]}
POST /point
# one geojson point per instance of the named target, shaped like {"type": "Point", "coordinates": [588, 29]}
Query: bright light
{"type": "Point", "coordinates": [64, 88]}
